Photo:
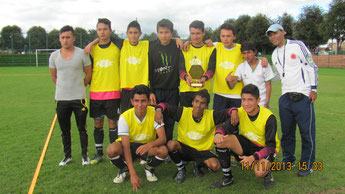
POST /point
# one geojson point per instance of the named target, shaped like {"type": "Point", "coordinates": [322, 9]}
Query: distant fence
{"type": "Point", "coordinates": [12, 60]}
{"type": "Point", "coordinates": [333, 61]}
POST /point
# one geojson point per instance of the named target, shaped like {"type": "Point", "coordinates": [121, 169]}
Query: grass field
{"type": "Point", "coordinates": [27, 110]}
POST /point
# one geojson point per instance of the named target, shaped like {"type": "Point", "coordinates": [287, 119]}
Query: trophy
{"type": "Point", "coordinates": [196, 72]}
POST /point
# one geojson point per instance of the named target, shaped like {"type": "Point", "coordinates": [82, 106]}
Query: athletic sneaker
{"type": "Point", "coordinates": [85, 160]}
{"type": "Point", "coordinates": [96, 159]}
{"type": "Point", "coordinates": [268, 181]}
{"type": "Point", "coordinates": [305, 172]}
{"type": "Point", "coordinates": [225, 181]}
{"type": "Point", "coordinates": [180, 175]}
{"type": "Point", "coordinates": [65, 161]}
{"type": "Point", "coordinates": [197, 170]}
{"type": "Point", "coordinates": [150, 175]}
{"type": "Point", "coordinates": [142, 162]}
{"type": "Point", "coordinates": [121, 176]}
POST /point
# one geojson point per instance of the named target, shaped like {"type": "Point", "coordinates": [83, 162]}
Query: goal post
{"type": "Point", "coordinates": [43, 52]}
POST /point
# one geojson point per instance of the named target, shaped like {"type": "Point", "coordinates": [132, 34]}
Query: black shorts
{"type": "Point", "coordinates": [110, 108]}
{"type": "Point", "coordinates": [191, 154]}
{"type": "Point", "coordinates": [125, 100]}
{"type": "Point", "coordinates": [249, 148]}
{"type": "Point", "coordinates": [186, 99]}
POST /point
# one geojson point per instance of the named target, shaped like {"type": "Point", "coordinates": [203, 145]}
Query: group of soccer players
{"type": "Point", "coordinates": [147, 81]}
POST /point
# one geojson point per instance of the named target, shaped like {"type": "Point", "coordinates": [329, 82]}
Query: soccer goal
{"type": "Point", "coordinates": [42, 56]}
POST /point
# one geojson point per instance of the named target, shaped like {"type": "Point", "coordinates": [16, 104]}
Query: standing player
{"type": "Point", "coordinates": [105, 86]}
{"type": "Point", "coordinates": [252, 72]}
{"type": "Point", "coordinates": [67, 66]}
{"type": "Point", "coordinates": [138, 132]}
{"type": "Point", "coordinates": [256, 144]}
{"type": "Point", "coordinates": [199, 54]}
{"type": "Point", "coordinates": [298, 74]}
{"type": "Point", "coordinates": [196, 127]}
{"type": "Point", "coordinates": [164, 60]}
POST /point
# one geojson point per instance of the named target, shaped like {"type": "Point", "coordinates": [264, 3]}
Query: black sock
{"type": "Point", "coordinates": [175, 156]}
{"type": "Point", "coordinates": [118, 162]}
{"type": "Point", "coordinates": [154, 161]}
{"type": "Point", "coordinates": [98, 134]}
{"type": "Point", "coordinates": [112, 134]}
{"type": "Point", "coordinates": [224, 159]}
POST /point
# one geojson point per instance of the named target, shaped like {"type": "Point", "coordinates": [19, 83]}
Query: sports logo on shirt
{"type": "Point", "coordinates": [252, 136]}
{"type": "Point", "coordinates": [227, 65]}
{"type": "Point", "coordinates": [104, 63]}
{"type": "Point", "coordinates": [133, 60]}
{"type": "Point", "coordinates": [310, 60]}
{"type": "Point", "coordinates": [194, 135]}
{"type": "Point", "coordinates": [195, 61]}
{"type": "Point", "coordinates": [141, 137]}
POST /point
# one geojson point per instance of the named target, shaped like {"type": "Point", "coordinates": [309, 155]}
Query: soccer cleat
{"type": "Point", "coordinates": [197, 171]}
{"type": "Point", "coordinates": [150, 175]}
{"type": "Point", "coordinates": [225, 181]}
{"type": "Point", "coordinates": [142, 162]}
{"type": "Point", "coordinates": [65, 161]}
{"type": "Point", "coordinates": [85, 160]}
{"type": "Point", "coordinates": [180, 175]}
{"type": "Point", "coordinates": [268, 181]}
{"type": "Point", "coordinates": [96, 159]}
{"type": "Point", "coordinates": [121, 176]}
{"type": "Point", "coordinates": [303, 173]}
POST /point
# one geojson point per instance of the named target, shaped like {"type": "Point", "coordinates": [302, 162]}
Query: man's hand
{"type": "Point", "coordinates": [264, 61]}
{"type": "Point", "coordinates": [247, 160]}
{"type": "Point", "coordinates": [185, 47]}
{"type": "Point", "coordinates": [88, 49]}
{"type": "Point", "coordinates": [179, 43]}
{"type": "Point", "coordinates": [189, 80]}
{"type": "Point", "coordinates": [143, 149]}
{"type": "Point", "coordinates": [219, 138]}
{"type": "Point", "coordinates": [152, 99]}
{"type": "Point", "coordinates": [209, 43]}
{"type": "Point", "coordinates": [231, 78]}
{"type": "Point", "coordinates": [136, 182]}
{"type": "Point", "coordinates": [202, 80]}
{"type": "Point", "coordinates": [312, 96]}
{"type": "Point", "coordinates": [159, 116]}
{"type": "Point", "coordinates": [234, 118]}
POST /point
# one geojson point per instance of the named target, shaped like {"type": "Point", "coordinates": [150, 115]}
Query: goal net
{"type": "Point", "coordinates": [42, 56]}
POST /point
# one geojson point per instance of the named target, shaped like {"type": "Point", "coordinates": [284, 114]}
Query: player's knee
{"type": "Point", "coordinates": [162, 151]}
{"type": "Point", "coordinates": [113, 150]}
{"type": "Point", "coordinates": [99, 122]}
{"type": "Point", "coordinates": [171, 145]}
{"type": "Point", "coordinates": [214, 166]}
{"type": "Point", "coordinates": [260, 174]}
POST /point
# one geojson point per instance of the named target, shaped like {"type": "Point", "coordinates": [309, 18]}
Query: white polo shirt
{"type": "Point", "coordinates": [258, 76]}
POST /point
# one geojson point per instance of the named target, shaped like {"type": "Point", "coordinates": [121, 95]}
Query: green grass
{"type": "Point", "coordinates": [27, 110]}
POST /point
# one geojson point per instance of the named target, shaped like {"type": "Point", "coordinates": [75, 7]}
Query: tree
{"type": "Point", "coordinates": [81, 37]}
{"type": "Point", "coordinates": [335, 22]}
{"type": "Point", "coordinates": [241, 25]}
{"type": "Point", "coordinates": [287, 21]}
{"type": "Point", "coordinates": [208, 33]}
{"type": "Point", "coordinates": [215, 36]}
{"type": "Point", "coordinates": [53, 39]}
{"type": "Point", "coordinates": [151, 37]}
{"type": "Point", "coordinates": [92, 35]}
{"type": "Point", "coordinates": [11, 36]}
{"type": "Point", "coordinates": [308, 28]}
{"type": "Point", "coordinates": [175, 34]}
{"type": "Point", "coordinates": [256, 33]}
{"type": "Point", "coordinates": [36, 38]}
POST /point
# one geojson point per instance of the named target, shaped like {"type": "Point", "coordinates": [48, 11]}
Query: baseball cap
{"type": "Point", "coordinates": [274, 28]}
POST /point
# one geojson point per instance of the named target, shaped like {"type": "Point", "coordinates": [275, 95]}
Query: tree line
{"type": "Point", "coordinates": [313, 26]}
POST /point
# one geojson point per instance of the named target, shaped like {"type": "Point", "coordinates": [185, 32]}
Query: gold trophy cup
{"type": "Point", "coordinates": [196, 72]}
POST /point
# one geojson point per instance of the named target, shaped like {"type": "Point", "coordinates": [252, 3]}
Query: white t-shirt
{"type": "Point", "coordinates": [257, 76]}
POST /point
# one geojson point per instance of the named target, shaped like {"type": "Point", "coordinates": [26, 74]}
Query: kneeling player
{"type": "Point", "coordinates": [138, 130]}
{"type": "Point", "coordinates": [196, 127]}
{"type": "Point", "coordinates": [256, 144]}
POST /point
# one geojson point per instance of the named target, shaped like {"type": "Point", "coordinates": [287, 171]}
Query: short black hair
{"type": "Point", "coordinates": [251, 89]}
{"type": "Point", "coordinates": [165, 23]}
{"type": "Point", "coordinates": [67, 28]}
{"type": "Point", "coordinates": [140, 89]}
{"type": "Point", "coordinates": [203, 94]}
{"type": "Point", "coordinates": [197, 24]}
{"type": "Point", "coordinates": [247, 46]}
{"type": "Point", "coordinates": [134, 24]}
{"type": "Point", "coordinates": [104, 21]}
{"type": "Point", "coordinates": [228, 26]}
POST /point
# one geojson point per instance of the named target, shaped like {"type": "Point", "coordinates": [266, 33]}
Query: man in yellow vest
{"type": "Point", "coordinates": [140, 137]}
{"type": "Point", "coordinates": [105, 86]}
{"type": "Point", "coordinates": [256, 144]}
{"type": "Point", "coordinates": [196, 127]}
{"type": "Point", "coordinates": [198, 53]}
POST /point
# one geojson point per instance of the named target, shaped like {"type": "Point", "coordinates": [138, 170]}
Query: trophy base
{"type": "Point", "coordinates": [197, 85]}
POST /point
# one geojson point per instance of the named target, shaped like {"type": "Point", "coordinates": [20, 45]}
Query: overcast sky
{"type": "Point", "coordinates": [52, 14]}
